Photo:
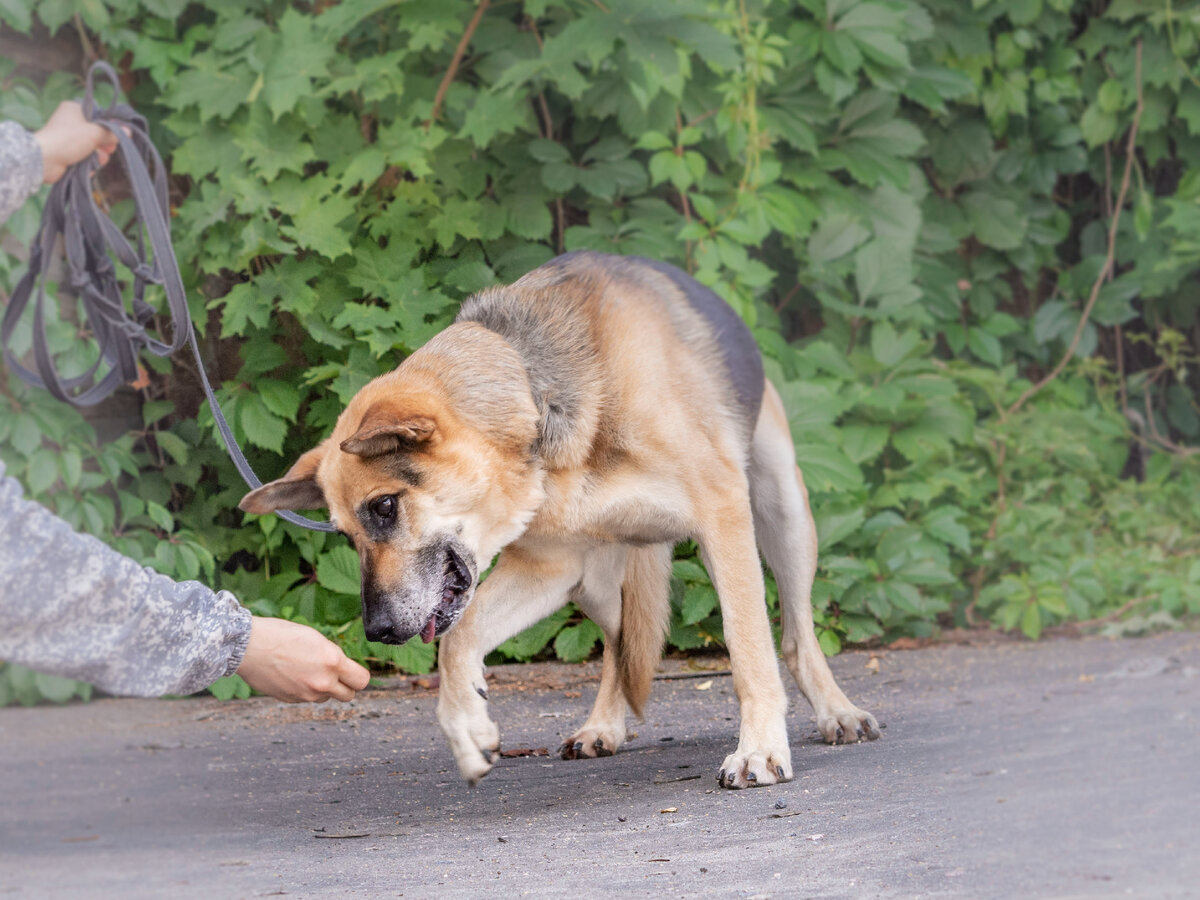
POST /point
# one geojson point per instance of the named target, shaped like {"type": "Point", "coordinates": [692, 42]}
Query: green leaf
{"type": "Point", "coordinates": [825, 468]}
{"type": "Point", "coordinates": [699, 601]}
{"type": "Point", "coordinates": [836, 235]}
{"type": "Point", "coordinates": [996, 221]}
{"type": "Point", "coordinates": [230, 687]}
{"type": "Point", "coordinates": [60, 690]}
{"type": "Point", "coordinates": [173, 445]}
{"type": "Point", "coordinates": [42, 472]}
{"type": "Point", "coordinates": [279, 397]}
{"type": "Point", "coordinates": [533, 639]}
{"type": "Point", "coordinates": [1031, 621]}
{"type": "Point", "coordinates": [261, 426]}
{"type": "Point", "coordinates": [160, 516]}
{"type": "Point", "coordinates": [575, 644]}
{"type": "Point", "coordinates": [862, 443]}
{"type": "Point", "coordinates": [830, 643]}
{"type": "Point", "coordinates": [337, 571]}
{"type": "Point", "coordinates": [1097, 126]}
{"type": "Point", "coordinates": [414, 655]}
{"type": "Point", "coordinates": [985, 346]}
{"type": "Point", "coordinates": [888, 347]}
{"type": "Point", "coordinates": [834, 527]}
{"type": "Point", "coordinates": [528, 217]}
{"type": "Point", "coordinates": [300, 52]}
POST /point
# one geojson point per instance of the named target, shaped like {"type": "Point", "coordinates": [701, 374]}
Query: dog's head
{"type": "Point", "coordinates": [426, 493]}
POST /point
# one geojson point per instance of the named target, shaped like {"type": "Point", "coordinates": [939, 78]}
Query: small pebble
{"type": "Point", "coordinates": [780, 804]}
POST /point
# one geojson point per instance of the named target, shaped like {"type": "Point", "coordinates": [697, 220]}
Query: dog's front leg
{"type": "Point", "coordinates": [462, 698]}
{"type": "Point", "coordinates": [728, 549]}
{"type": "Point", "coordinates": [521, 589]}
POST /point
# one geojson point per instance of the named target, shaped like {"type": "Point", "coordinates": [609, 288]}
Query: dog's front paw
{"type": "Point", "coordinates": [845, 723]}
{"type": "Point", "coordinates": [755, 768]}
{"type": "Point", "coordinates": [588, 743]}
{"type": "Point", "coordinates": [475, 743]}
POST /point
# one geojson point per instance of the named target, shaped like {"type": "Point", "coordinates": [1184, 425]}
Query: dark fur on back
{"type": "Point", "coordinates": [739, 350]}
{"type": "Point", "coordinates": [542, 317]}
{"type": "Point", "coordinates": [557, 350]}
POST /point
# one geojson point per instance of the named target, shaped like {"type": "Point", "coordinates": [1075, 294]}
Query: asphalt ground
{"type": "Point", "coordinates": [1067, 768]}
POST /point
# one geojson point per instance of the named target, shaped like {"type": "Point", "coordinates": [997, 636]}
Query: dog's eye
{"type": "Point", "coordinates": [384, 508]}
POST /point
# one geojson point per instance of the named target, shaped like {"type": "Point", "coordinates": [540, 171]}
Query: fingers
{"type": "Point", "coordinates": [352, 674]}
{"type": "Point", "coordinates": [340, 692]}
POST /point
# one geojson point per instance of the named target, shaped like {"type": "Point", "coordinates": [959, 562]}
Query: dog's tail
{"type": "Point", "coordinates": [645, 614]}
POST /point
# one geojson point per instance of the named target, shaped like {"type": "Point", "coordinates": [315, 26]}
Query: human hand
{"type": "Point", "coordinates": [68, 137]}
{"type": "Point", "coordinates": [297, 664]}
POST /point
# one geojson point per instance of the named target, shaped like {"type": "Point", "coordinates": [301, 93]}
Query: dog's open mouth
{"type": "Point", "coordinates": [456, 581]}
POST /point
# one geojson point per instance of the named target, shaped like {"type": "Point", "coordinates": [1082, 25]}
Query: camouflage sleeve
{"type": "Point", "coordinates": [20, 167]}
{"type": "Point", "coordinates": [72, 606]}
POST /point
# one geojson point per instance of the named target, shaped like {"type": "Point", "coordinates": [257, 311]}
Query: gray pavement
{"type": "Point", "coordinates": [1067, 768]}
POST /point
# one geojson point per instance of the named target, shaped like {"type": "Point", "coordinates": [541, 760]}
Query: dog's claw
{"type": "Point", "coordinates": [588, 744]}
{"type": "Point", "coordinates": [754, 769]}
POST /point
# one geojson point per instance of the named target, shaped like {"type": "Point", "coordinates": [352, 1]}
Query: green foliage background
{"type": "Point", "coordinates": [907, 201]}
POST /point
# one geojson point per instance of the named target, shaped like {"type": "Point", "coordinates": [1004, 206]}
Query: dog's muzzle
{"type": "Point", "coordinates": [453, 580]}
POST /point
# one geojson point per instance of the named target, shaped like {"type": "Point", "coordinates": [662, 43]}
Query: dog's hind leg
{"type": "Point", "coordinates": [627, 593]}
{"type": "Point", "coordinates": [726, 538]}
{"type": "Point", "coordinates": [520, 590]}
{"type": "Point", "coordinates": [787, 537]}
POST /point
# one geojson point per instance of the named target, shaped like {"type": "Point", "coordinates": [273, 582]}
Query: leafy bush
{"type": "Point", "coordinates": [909, 202]}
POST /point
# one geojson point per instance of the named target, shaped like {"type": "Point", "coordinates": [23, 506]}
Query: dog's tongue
{"type": "Point", "coordinates": [427, 633]}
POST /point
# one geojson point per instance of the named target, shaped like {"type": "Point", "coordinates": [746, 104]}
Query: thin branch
{"type": "Point", "coordinates": [1120, 342]}
{"type": "Point", "coordinates": [459, 52]}
{"type": "Point", "coordinates": [1130, 150]}
{"type": "Point", "coordinates": [1165, 442]}
{"type": "Point", "coordinates": [1115, 614]}
{"type": "Point", "coordinates": [89, 51]}
{"type": "Point", "coordinates": [787, 298]}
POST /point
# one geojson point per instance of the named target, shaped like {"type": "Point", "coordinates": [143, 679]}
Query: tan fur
{"type": "Point", "coordinates": [577, 422]}
{"type": "Point", "coordinates": [645, 614]}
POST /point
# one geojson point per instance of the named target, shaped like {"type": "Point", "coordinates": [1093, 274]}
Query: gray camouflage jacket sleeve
{"type": "Point", "coordinates": [72, 606]}
{"type": "Point", "coordinates": [20, 167]}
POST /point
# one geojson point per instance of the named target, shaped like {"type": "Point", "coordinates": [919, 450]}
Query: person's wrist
{"type": "Point", "coordinates": [52, 166]}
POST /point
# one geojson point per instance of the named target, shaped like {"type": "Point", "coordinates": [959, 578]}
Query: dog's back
{"type": "Point", "coordinates": [578, 320]}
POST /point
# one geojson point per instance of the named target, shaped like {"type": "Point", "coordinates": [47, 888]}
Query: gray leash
{"type": "Point", "coordinates": [89, 237]}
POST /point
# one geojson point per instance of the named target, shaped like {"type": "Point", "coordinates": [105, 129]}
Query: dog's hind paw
{"type": "Point", "coordinates": [590, 743]}
{"type": "Point", "coordinates": [753, 769]}
{"type": "Point", "coordinates": [847, 724]}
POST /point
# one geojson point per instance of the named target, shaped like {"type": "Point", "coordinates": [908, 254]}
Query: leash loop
{"type": "Point", "coordinates": [91, 240]}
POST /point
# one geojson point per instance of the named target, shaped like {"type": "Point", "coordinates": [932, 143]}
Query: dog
{"type": "Point", "coordinates": [579, 423]}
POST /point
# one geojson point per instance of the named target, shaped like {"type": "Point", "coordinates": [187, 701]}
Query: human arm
{"type": "Point", "coordinates": [20, 167]}
{"type": "Point", "coordinates": [29, 159]}
{"type": "Point", "coordinates": [72, 606]}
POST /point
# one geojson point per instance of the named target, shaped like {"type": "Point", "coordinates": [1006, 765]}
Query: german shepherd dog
{"type": "Point", "coordinates": [580, 423]}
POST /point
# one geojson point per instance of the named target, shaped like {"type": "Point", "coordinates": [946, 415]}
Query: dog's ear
{"type": "Point", "coordinates": [389, 427]}
{"type": "Point", "coordinates": [298, 489]}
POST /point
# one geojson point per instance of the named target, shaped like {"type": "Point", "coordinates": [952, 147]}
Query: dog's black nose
{"type": "Point", "coordinates": [377, 631]}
